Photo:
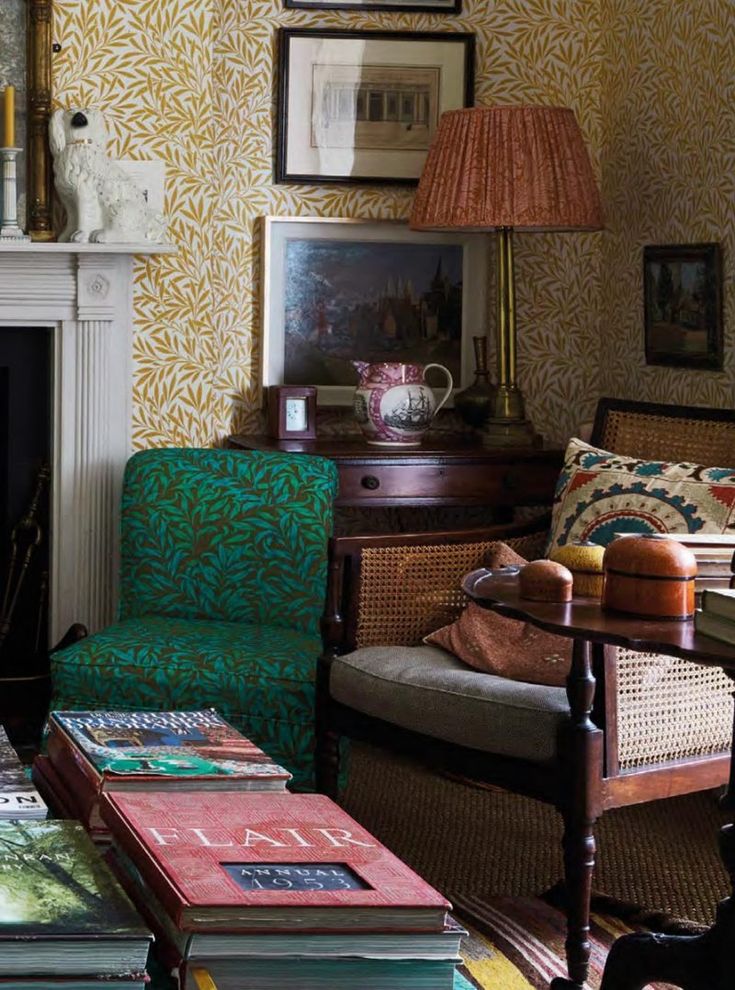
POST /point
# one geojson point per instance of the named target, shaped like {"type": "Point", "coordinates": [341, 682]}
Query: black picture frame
{"type": "Point", "coordinates": [427, 85]}
{"type": "Point", "coordinates": [682, 302]}
{"type": "Point", "coordinates": [400, 6]}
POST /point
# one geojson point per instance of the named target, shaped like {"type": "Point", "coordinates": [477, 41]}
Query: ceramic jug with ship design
{"type": "Point", "coordinates": [393, 404]}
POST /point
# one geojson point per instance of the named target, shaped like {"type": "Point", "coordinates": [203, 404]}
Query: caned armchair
{"type": "Point", "coordinates": [663, 726]}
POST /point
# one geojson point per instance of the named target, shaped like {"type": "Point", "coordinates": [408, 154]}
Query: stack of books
{"type": "Point", "coordinates": [19, 799]}
{"type": "Point", "coordinates": [277, 892]}
{"type": "Point", "coordinates": [92, 753]}
{"type": "Point", "coordinates": [64, 922]}
{"type": "Point", "coordinates": [716, 617]}
{"type": "Point", "coordinates": [714, 555]}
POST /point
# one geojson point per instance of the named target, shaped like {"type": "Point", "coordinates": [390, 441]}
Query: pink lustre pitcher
{"type": "Point", "coordinates": [393, 404]}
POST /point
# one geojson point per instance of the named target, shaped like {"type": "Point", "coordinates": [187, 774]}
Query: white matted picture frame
{"type": "Point", "coordinates": [338, 290]}
{"type": "Point", "coordinates": [363, 106]}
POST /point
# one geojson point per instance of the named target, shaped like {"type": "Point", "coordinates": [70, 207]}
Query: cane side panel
{"type": "Point", "coordinates": [670, 709]}
{"type": "Point", "coordinates": [407, 592]}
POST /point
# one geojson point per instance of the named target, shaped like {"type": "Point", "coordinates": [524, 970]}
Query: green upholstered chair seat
{"type": "Point", "coordinates": [222, 579]}
{"type": "Point", "coordinates": [260, 678]}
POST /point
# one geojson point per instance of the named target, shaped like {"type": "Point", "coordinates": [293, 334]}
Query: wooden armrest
{"type": "Point", "coordinates": [394, 589]}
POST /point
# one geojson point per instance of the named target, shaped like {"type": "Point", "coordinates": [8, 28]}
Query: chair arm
{"type": "Point", "coordinates": [395, 589]}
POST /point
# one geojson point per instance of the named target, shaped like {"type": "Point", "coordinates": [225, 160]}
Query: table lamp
{"type": "Point", "coordinates": [504, 169]}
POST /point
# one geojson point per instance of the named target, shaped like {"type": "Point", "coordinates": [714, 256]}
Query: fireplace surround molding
{"type": "Point", "coordinates": [84, 294]}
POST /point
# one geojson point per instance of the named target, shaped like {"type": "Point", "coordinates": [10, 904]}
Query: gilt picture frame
{"type": "Point", "coordinates": [682, 288]}
{"type": "Point", "coordinates": [338, 290]}
{"type": "Point", "coordinates": [25, 62]}
{"type": "Point", "coordinates": [362, 106]}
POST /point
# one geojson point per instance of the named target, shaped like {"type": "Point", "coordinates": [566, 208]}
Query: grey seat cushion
{"type": "Point", "coordinates": [428, 690]}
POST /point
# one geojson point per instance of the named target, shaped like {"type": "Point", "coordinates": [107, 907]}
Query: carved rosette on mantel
{"type": "Point", "coordinates": [84, 294]}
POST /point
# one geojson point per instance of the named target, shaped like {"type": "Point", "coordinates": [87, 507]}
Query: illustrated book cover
{"type": "Point", "coordinates": [18, 796]}
{"type": "Point", "coordinates": [237, 861]}
{"type": "Point", "coordinates": [179, 749]}
{"type": "Point", "coordinates": [61, 909]}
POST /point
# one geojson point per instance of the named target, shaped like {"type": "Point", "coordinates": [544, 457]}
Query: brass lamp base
{"type": "Point", "coordinates": [510, 433]}
{"type": "Point", "coordinates": [508, 426]}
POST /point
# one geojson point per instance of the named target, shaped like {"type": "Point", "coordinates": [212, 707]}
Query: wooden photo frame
{"type": "Point", "coordinates": [363, 106]}
{"type": "Point", "coordinates": [339, 290]}
{"type": "Point", "coordinates": [682, 288]}
{"type": "Point", "coordinates": [291, 412]}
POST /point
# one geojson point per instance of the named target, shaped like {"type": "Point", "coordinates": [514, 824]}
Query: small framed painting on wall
{"type": "Point", "coordinates": [336, 291]}
{"type": "Point", "coordinates": [423, 6]}
{"type": "Point", "coordinates": [682, 288]}
{"type": "Point", "coordinates": [363, 106]}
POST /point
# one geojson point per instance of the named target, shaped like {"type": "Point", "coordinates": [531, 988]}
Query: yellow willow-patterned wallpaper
{"type": "Point", "coordinates": [192, 82]}
{"type": "Point", "coordinates": [668, 176]}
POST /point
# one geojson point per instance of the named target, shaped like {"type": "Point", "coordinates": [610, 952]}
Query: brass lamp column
{"type": "Point", "coordinates": [507, 169]}
{"type": "Point", "coordinates": [507, 425]}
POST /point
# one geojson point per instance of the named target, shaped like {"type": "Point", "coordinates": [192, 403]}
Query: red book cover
{"type": "Point", "coordinates": [62, 799]}
{"type": "Point", "coordinates": [234, 861]}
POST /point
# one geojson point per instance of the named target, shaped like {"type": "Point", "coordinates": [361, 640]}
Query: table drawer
{"type": "Point", "coordinates": [466, 484]}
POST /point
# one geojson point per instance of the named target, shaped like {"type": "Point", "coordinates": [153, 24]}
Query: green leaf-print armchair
{"type": "Point", "coordinates": [223, 571]}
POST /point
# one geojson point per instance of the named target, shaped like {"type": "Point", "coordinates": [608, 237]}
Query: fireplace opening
{"type": "Point", "coordinates": [25, 462]}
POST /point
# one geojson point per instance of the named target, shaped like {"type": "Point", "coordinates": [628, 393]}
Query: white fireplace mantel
{"type": "Point", "coordinates": [84, 294]}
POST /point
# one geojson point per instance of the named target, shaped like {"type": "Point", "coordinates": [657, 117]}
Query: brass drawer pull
{"type": "Point", "coordinates": [370, 482]}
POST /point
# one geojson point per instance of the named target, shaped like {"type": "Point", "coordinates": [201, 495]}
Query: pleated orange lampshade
{"type": "Point", "coordinates": [510, 166]}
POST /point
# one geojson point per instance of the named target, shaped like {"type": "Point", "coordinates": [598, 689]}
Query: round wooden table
{"type": "Point", "coordinates": [701, 962]}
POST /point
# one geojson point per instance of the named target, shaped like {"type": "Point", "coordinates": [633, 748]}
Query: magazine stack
{"type": "Point", "coordinates": [65, 922]}
{"type": "Point", "coordinates": [19, 799]}
{"type": "Point", "coordinates": [268, 891]}
{"type": "Point", "coordinates": [91, 753]}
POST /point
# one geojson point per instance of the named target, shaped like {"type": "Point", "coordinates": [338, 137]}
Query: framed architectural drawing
{"type": "Point", "coordinates": [362, 106]}
{"type": "Point", "coordinates": [336, 291]}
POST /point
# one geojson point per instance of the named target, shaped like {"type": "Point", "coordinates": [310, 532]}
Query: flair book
{"type": "Point", "coordinates": [18, 797]}
{"type": "Point", "coordinates": [62, 911]}
{"type": "Point", "coordinates": [237, 862]}
{"type": "Point", "coordinates": [101, 751]}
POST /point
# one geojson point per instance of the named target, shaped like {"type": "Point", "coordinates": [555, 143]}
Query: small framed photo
{"type": "Point", "coordinates": [335, 291]}
{"type": "Point", "coordinates": [291, 412]}
{"type": "Point", "coordinates": [363, 106]}
{"type": "Point", "coordinates": [682, 287]}
{"type": "Point", "coordinates": [422, 6]}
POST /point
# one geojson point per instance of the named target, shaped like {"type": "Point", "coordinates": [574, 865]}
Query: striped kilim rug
{"type": "Point", "coordinates": [517, 943]}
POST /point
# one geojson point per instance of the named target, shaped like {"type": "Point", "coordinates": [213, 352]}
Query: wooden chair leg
{"type": "Point", "coordinates": [326, 750]}
{"type": "Point", "coordinates": [326, 766]}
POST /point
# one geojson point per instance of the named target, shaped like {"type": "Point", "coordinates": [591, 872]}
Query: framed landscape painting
{"type": "Point", "coordinates": [424, 6]}
{"type": "Point", "coordinates": [682, 287]}
{"type": "Point", "coordinates": [336, 291]}
{"type": "Point", "coordinates": [363, 106]}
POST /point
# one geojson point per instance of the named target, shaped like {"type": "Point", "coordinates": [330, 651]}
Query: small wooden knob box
{"type": "Point", "coordinates": [650, 577]}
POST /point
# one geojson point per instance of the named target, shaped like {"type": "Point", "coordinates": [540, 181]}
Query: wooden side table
{"type": "Point", "coordinates": [439, 473]}
{"type": "Point", "coordinates": [702, 962]}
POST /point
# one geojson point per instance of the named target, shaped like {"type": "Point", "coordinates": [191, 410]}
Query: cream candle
{"type": "Point", "coordinates": [9, 117]}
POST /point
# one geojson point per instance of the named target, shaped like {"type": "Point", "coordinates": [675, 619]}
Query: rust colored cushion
{"type": "Point", "coordinates": [506, 647]}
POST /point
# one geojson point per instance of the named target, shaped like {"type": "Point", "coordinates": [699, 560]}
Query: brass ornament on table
{"type": "Point", "coordinates": [476, 402]}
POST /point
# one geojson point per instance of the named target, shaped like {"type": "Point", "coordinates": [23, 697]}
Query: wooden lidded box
{"type": "Point", "coordinates": [650, 577]}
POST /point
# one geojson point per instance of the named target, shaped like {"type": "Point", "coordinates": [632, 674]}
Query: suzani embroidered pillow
{"type": "Point", "coordinates": [599, 494]}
